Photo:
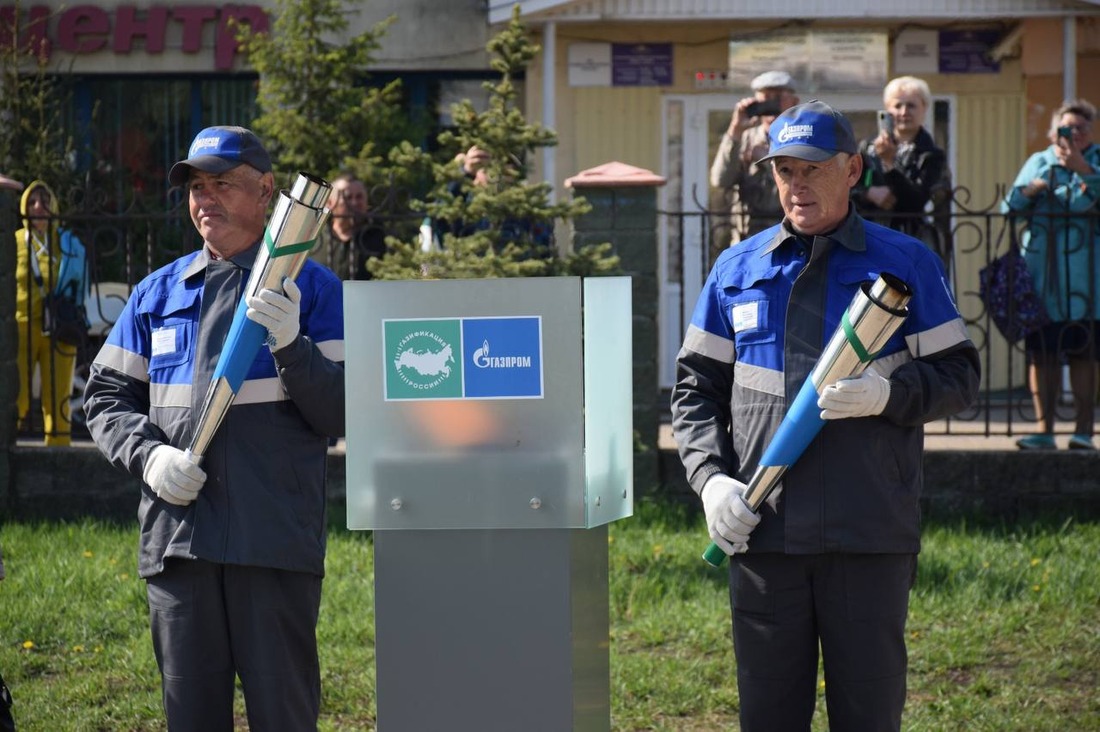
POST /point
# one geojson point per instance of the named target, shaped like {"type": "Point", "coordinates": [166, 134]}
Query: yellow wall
{"type": "Point", "coordinates": [598, 124]}
{"type": "Point", "coordinates": [995, 125]}
{"type": "Point", "coordinates": [991, 129]}
{"type": "Point", "coordinates": [1041, 68]}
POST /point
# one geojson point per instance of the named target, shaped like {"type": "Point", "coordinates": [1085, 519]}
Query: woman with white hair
{"type": "Point", "coordinates": [903, 168]}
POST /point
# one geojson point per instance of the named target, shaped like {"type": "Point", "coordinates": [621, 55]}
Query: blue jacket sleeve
{"type": "Point", "coordinates": [942, 374]}
{"type": "Point", "coordinates": [701, 396]}
{"type": "Point", "coordinates": [116, 396]}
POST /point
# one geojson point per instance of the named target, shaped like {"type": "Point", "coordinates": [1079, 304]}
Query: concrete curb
{"type": "Point", "coordinates": [76, 482]}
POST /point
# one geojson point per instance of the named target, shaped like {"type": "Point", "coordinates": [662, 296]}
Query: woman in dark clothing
{"type": "Point", "coordinates": [903, 168]}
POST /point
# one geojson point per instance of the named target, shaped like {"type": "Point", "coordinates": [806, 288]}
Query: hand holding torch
{"type": "Point", "coordinates": [290, 234]}
{"type": "Point", "coordinates": [876, 312]}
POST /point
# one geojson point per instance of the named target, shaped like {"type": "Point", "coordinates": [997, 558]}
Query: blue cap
{"type": "Point", "coordinates": [218, 149]}
{"type": "Point", "coordinates": [811, 131]}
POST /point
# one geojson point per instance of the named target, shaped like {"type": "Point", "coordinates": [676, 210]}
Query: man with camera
{"type": "Point", "coordinates": [754, 201]}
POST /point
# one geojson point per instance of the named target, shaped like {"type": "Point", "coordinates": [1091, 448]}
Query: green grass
{"type": "Point", "coordinates": [1004, 629]}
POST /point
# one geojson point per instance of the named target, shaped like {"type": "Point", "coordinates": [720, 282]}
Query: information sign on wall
{"type": "Point", "coordinates": [620, 64]}
{"type": "Point", "coordinates": [916, 51]}
{"type": "Point", "coordinates": [817, 60]}
{"type": "Point", "coordinates": [641, 64]}
{"type": "Point", "coordinates": [967, 52]}
{"type": "Point", "coordinates": [590, 64]}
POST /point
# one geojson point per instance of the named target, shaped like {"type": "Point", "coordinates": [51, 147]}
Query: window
{"type": "Point", "coordinates": [128, 131]}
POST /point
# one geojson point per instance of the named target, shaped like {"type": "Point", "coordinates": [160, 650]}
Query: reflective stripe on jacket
{"type": "Point", "coordinates": [766, 311]}
{"type": "Point", "coordinates": [263, 503]}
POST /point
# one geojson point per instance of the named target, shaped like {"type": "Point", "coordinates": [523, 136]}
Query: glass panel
{"type": "Point", "coordinates": [139, 128]}
{"type": "Point", "coordinates": [135, 125]}
{"type": "Point", "coordinates": [939, 124]}
{"type": "Point", "coordinates": [456, 462]}
{"type": "Point", "coordinates": [608, 400]}
{"type": "Point", "coordinates": [229, 102]}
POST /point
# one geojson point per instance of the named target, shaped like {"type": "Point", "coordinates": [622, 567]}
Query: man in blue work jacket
{"type": "Point", "coordinates": [830, 559]}
{"type": "Point", "coordinates": [232, 552]}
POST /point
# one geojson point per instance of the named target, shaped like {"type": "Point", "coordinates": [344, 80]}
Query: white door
{"type": "Point", "coordinates": [694, 226]}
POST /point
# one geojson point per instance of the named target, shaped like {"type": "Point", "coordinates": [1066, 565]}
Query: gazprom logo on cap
{"type": "Point", "coordinates": [794, 132]}
{"type": "Point", "coordinates": [202, 143]}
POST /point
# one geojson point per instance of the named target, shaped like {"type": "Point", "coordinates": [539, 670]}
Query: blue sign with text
{"type": "Point", "coordinates": [502, 358]}
{"type": "Point", "coordinates": [967, 51]}
{"type": "Point", "coordinates": [641, 64]}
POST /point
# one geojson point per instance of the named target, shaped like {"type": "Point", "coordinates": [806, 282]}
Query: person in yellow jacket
{"type": "Point", "coordinates": [41, 268]}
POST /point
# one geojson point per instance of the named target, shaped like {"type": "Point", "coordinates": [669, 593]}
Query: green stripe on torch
{"type": "Point", "coordinates": [286, 248]}
{"type": "Point", "coordinates": [853, 339]}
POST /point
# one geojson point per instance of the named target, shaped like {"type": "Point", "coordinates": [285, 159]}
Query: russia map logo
{"type": "Point", "coordinates": [463, 358]}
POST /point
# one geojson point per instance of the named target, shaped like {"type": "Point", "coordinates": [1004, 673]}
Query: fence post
{"type": "Point", "coordinates": [9, 334]}
{"type": "Point", "coordinates": [624, 212]}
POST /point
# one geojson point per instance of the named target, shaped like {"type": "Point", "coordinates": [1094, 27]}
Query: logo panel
{"type": "Point", "coordinates": [423, 359]}
{"type": "Point", "coordinates": [502, 358]}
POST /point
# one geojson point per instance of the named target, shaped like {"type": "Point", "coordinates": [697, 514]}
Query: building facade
{"type": "Point", "coordinates": [650, 83]}
{"type": "Point", "coordinates": [653, 83]}
{"type": "Point", "coordinates": [141, 79]}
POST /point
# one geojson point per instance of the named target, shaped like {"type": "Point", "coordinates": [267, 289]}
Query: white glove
{"type": "Point", "coordinates": [278, 313]}
{"type": "Point", "coordinates": [861, 396]}
{"type": "Point", "coordinates": [729, 518]}
{"type": "Point", "coordinates": [172, 476]}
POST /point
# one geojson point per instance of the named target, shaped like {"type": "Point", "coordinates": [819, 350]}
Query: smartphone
{"type": "Point", "coordinates": [885, 122]}
{"type": "Point", "coordinates": [1066, 132]}
{"type": "Point", "coordinates": [766, 108]}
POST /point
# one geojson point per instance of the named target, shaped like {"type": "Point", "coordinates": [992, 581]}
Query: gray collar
{"type": "Point", "coordinates": [850, 234]}
{"type": "Point", "coordinates": [244, 260]}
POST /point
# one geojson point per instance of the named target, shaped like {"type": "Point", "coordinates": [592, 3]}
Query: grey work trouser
{"type": "Point", "coordinates": [211, 622]}
{"type": "Point", "coordinates": [854, 606]}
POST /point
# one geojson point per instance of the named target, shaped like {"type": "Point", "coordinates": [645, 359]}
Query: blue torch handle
{"type": "Point", "coordinates": [240, 349]}
{"type": "Point", "coordinates": [797, 430]}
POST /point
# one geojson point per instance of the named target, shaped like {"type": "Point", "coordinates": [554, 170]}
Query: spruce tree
{"type": "Point", "coordinates": [490, 229]}
{"type": "Point", "coordinates": [34, 144]}
{"type": "Point", "coordinates": [316, 112]}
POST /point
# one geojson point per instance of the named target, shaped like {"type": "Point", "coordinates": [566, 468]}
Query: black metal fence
{"type": "Point", "coordinates": [123, 246]}
{"type": "Point", "coordinates": [967, 240]}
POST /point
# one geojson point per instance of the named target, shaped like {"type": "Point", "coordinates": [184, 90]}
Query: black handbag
{"type": "Point", "coordinates": [62, 317]}
{"type": "Point", "coordinates": [65, 320]}
{"type": "Point", "coordinates": [1009, 294]}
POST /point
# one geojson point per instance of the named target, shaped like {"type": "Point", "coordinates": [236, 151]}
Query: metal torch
{"type": "Point", "coordinates": [290, 234]}
{"type": "Point", "coordinates": [876, 312]}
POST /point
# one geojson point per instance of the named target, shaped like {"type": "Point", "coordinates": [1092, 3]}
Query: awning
{"type": "Point", "coordinates": [535, 12]}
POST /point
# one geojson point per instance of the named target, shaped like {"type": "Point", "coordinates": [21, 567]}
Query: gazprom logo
{"type": "Point", "coordinates": [483, 360]}
{"type": "Point", "coordinates": [794, 132]}
{"type": "Point", "coordinates": [503, 357]}
{"type": "Point", "coordinates": [202, 142]}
